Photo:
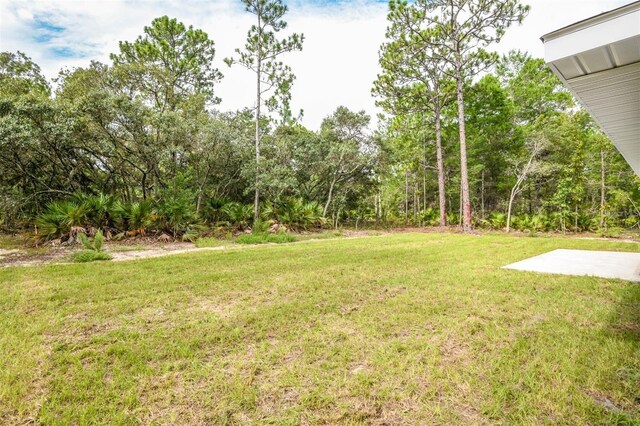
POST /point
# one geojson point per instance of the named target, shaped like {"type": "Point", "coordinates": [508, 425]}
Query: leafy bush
{"type": "Point", "coordinates": [212, 210]}
{"type": "Point", "coordinates": [497, 220]}
{"type": "Point", "coordinates": [261, 227]}
{"type": "Point", "coordinates": [92, 248]}
{"type": "Point", "coordinates": [297, 214]}
{"type": "Point", "coordinates": [101, 211]}
{"type": "Point", "coordinates": [175, 206]}
{"type": "Point", "coordinates": [453, 218]}
{"type": "Point", "coordinates": [135, 218]}
{"type": "Point", "coordinates": [238, 215]}
{"type": "Point", "coordinates": [84, 256]}
{"type": "Point", "coordinates": [61, 218]}
{"type": "Point", "coordinates": [430, 217]}
{"type": "Point", "coordinates": [95, 244]}
{"type": "Point", "coordinates": [610, 232]}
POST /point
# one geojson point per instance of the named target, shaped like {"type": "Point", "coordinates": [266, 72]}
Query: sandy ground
{"type": "Point", "coordinates": [17, 257]}
{"type": "Point", "coordinates": [120, 256]}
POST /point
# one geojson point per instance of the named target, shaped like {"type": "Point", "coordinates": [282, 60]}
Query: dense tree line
{"type": "Point", "coordinates": [137, 144]}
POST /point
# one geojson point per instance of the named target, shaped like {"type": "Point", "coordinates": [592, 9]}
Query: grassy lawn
{"type": "Point", "coordinates": [395, 329]}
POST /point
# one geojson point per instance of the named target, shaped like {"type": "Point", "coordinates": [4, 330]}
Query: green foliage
{"type": "Point", "coordinates": [175, 206]}
{"type": "Point", "coordinates": [95, 244]}
{"type": "Point", "coordinates": [92, 249]}
{"type": "Point", "coordinates": [101, 211]}
{"type": "Point", "coordinates": [297, 214]}
{"type": "Point", "coordinates": [263, 50]}
{"type": "Point", "coordinates": [279, 238]}
{"type": "Point", "coordinates": [239, 215]}
{"type": "Point", "coordinates": [135, 218]}
{"type": "Point", "coordinates": [212, 212]}
{"type": "Point", "coordinates": [138, 137]}
{"type": "Point", "coordinates": [84, 256]}
{"type": "Point", "coordinates": [19, 76]}
{"type": "Point", "coordinates": [172, 57]}
{"type": "Point", "coordinates": [497, 220]}
{"type": "Point", "coordinates": [260, 227]}
{"type": "Point", "coordinates": [430, 217]}
{"type": "Point", "coordinates": [60, 218]}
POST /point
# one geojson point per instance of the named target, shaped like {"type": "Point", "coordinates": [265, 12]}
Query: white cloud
{"type": "Point", "coordinates": [337, 66]}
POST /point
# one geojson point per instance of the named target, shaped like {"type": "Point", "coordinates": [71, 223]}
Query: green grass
{"type": "Point", "coordinates": [399, 329]}
{"type": "Point", "coordinates": [265, 238]}
{"type": "Point", "coordinates": [212, 242]}
{"type": "Point", "coordinates": [22, 243]}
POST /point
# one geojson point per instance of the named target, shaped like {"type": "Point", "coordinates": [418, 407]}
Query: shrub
{"type": "Point", "coordinates": [84, 256]}
{"type": "Point", "coordinates": [101, 211]}
{"type": "Point", "coordinates": [238, 215]}
{"type": "Point", "coordinates": [610, 232]}
{"type": "Point", "coordinates": [175, 206]}
{"type": "Point", "coordinates": [260, 227]}
{"type": "Point", "coordinates": [135, 218]}
{"type": "Point", "coordinates": [453, 218]}
{"type": "Point", "coordinates": [297, 214]}
{"type": "Point", "coordinates": [61, 219]}
{"type": "Point", "coordinates": [95, 244]}
{"type": "Point", "coordinates": [497, 220]}
{"type": "Point", "coordinates": [430, 217]}
{"type": "Point", "coordinates": [212, 210]}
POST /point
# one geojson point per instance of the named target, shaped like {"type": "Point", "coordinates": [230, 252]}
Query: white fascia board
{"type": "Point", "coordinates": [590, 37]}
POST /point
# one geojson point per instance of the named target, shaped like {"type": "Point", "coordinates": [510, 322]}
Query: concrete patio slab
{"type": "Point", "coordinates": [605, 264]}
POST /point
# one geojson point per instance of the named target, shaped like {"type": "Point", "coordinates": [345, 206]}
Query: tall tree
{"type": "Point", "coordinates": [261, 55]}
{"type": "Point", "coordinates": [348, 149]}
{"type": "Point", "coordinates": [524, 167]}
{"type": "Point", "coordinates": [19, 75]}
{"type": "Point", "coordinates": [169, 63]}
{"type": "Point", "coordinates": [413, 79]}
{"type": "Point", "coordinates": [457, 31]}
{"type": "Point", "coordinates": [533, 87]}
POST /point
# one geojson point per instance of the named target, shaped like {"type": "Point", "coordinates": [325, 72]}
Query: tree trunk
{"type": "Point", "coordinates": [511, 198]}
{"type": "Point", "coordinates": [256, 199]}
{"type": "Point", "coordinates": [416, 198]}
{"type": "Point", "coordinates": [326, 205]}
{"type": "Point", "coordinates": [602, 189]}
{"type": "Point", "coordinates": [440, 161]}
{"type": "Point", "coordinates": [464, 175]}
{"type": "Point", "coordinates": [482, 195]}
{"type": "Point", "coordinates": [406, 197]}
{"type": "Point", "coordinates": [424, 187]}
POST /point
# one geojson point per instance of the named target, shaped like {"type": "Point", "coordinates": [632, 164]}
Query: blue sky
{"type": "Point", "coordinates": [337, 66]}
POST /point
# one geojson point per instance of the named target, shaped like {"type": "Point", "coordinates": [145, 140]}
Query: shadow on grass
{"type": "Point", "coordinates": [624, 325]}
{"type": "Point", "coordinates": [625, 320]}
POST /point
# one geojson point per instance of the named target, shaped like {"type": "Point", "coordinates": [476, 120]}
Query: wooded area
{"type": "Point", "coordinates": [467, 138]}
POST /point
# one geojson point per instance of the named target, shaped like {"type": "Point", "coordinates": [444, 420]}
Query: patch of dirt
{"type": "Point", "coordinates": [18, 257]}
{"type": "Point", "coordinates": [358, 368]}
{"type": "Point", "coordinates": [61, 255]}
{"type": "Point", "coordinates": [164, 250]}
{"type": "Point", "coordinates": [222, 310]}
{"type": "Point", "coordinates": [4, 253]}
{"type": "Point", "coordinates": [453, 352]}
{"type": "Point", "coordinates": [168, 398]}
{"type": "Point", "coordinates": [604, 402]}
